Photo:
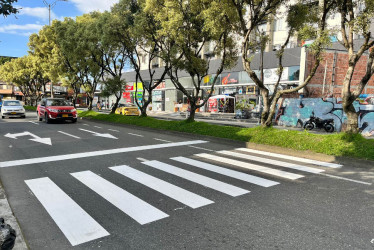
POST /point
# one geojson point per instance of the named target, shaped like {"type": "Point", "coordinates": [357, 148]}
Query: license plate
{"type": "Point", "coordinates": [65, 115]}
{"type": "Point", "coordinates": [13, 113]}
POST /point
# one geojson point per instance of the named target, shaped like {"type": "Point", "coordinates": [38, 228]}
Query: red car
{"type": "Point", "coordinates": [53, 109]}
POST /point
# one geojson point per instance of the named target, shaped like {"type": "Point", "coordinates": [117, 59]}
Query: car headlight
{"type": "Point", "coordinates": [73, 110]}
{"type": "Point", "coordinates": [53, 110]}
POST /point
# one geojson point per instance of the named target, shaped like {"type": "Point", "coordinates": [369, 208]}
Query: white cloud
{"type": "Point", "coordinates": [87, 6]}
{"type": "Point", "coordinates": [38, 12]}
{"type": "Point", "coordinates": [22, 30]}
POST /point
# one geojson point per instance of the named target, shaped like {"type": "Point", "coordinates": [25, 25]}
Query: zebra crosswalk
{"type": "Point", "coordinates": [79, 227]}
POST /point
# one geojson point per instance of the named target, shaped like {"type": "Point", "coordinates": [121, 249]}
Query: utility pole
{"type": "Point", "coordinates": [51, 6]}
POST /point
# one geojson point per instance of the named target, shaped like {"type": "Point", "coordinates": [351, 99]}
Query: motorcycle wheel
{"type": "Point", "coordinates": [309, 126]}
{"type": "Point", "coordinates": [329, 128]}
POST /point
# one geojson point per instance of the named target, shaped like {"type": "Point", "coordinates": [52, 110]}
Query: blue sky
{"type": "Point", "coordinates": [16, 29]}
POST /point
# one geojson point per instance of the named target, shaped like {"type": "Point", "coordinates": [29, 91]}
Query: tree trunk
{"type": "Point", "coordinates": [266, 109]}
{"type": "Point", "coordinates": [191, 117]}
{"type": "Point", "coordinates": [90, 100]}
{"type": "Point", "coordinates": [115, 105]}
{"type": "Point", "coordinates": [352, 117]}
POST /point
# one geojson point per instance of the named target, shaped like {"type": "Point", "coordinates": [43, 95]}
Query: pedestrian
{"type": "Point", "coordinates": [103, 105]}
{"type": "Point", "coordinates": [112, 105]}
{"type": "Point", "coordinates": [98, 105]}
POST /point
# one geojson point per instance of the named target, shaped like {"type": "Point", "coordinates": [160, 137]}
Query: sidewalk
{"type": "Point", "coordinates": [7, 214]}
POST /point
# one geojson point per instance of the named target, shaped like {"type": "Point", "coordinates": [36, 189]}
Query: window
{"type": "Point", "coordinates": [293, 73]}
{"type": "Point", "coordinates": [278, 25]}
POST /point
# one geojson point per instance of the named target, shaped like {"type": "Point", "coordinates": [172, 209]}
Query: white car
{"type": "Point", "coordinates": [12, 108]}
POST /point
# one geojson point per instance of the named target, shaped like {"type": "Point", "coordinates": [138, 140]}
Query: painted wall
{"type": "Point", "coordinates": [296, 111]}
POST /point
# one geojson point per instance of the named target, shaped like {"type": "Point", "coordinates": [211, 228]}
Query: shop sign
{"type": "Point", "coordinates": [212, 102]}
{"type": "Point", "coordinates": [208, 80]}
{"type": "Point", "coordinates": [129, 87]}
{"type": "Point", "coordinates": [157, 96]}
{"type": "Point", "coordinates": [229, 91]}
{"type": "Point", "coordinates": [240, 92]}
{"type": "Point", "coordinates": [271, 75]}
{"type": "Point", "coordinates": [161, 86]}
{"type": "Point", "coordinates": [138, 86]}
{"type": "Point", "coordinates": [230, 78]}
{"type": "Point", "coordinates": [251, 90]}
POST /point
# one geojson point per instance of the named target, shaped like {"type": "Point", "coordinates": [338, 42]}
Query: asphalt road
{"type": "Point", "coordinates": [91, 185]}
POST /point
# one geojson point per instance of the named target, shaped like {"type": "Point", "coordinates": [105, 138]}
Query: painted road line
{"type": "Point", "coordinates": [69, 134]}
{"type": "Point", "coordinates": [228, 172]}
{"type": "Point", "coordinates": [197, 178]}
{"type": "Point", "coordinates": [346, 179]}
{"type": "Point", "coordinates": [160, 140]}
{"type": "Point", "coordinates": [134, 207]}
{"type": "Point", "coordinates": [258, 168]}
{"type": "Point", "coordinates": [85, 124]}
{"type": "Point", "coordinates": [75, 223]}
{"type": "Point", "coordinates": [202, 148]}
{"type": "Point", "coordinates": [141, 159]}
{"type": "Point", "coordinates": [136, 135]}
{"type": "Point", "coordinates": [183, 196]}
{"type": "Point", "coordinates": [114, 130]}
{"type": "Point", "coordinates": [293, 158]}
{"type": "Point", "coordinates": [97, 127]}
{"type": "Point", "coordinates": [273, 162]}
{"type": "Point", "coordinates": [5, 164]}
{"type": "Point", "coordinates": [34, 122]}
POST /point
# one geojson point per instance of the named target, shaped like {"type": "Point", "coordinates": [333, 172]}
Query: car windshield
{"type": "Point", "coordinates": [12, 103]}
{"type": "Point", "coordinates": [57, 102]}
{"type": "Point", "coordinates": [130, 105]}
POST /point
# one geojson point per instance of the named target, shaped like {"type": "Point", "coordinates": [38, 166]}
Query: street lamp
{"type": "Point", "coordinates": [51, 6]}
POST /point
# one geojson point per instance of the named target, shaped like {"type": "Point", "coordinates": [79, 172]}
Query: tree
{"type": "Point", "coordinates": [114, 55]}
{"type": "Point", "coordinates": [43, 46]}
{"type": "Point", "coordinates": [80, 53]}
{"type": "Point", "coordinates": [137, 32]}
{"type": "Point", "coordinates": [355, 21]}
{"type": "Point", "coordinates": [27, 75]}
{"type": "Point", "coordinates": [6, 7]}
{"type": "Point", "coordinates": [191, 26]}
{"type": "Point", "coordinates": [306, 20]}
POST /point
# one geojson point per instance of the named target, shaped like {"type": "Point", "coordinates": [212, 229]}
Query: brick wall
{"type": "Point", "coordinates": [334, 84]}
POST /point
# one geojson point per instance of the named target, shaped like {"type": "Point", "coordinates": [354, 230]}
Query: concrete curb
{"type": "Point", "coordinates": [7, 214]}
{"type": "Point", "coordinates": [357, 163]}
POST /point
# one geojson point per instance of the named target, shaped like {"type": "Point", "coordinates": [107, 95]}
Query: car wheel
{"type": "Point", "coordinates": [46, 119]}
{"type": "Point", "coordinates": [2, 117]}
{"type": "Point", "coordinates": [23, 116]}
{"type": "Point", "coordinates": [39, 117]}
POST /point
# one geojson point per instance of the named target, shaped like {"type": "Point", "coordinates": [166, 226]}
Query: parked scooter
{"type": "Point", "coordinates": [315, 122]}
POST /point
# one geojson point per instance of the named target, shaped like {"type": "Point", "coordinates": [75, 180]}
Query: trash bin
{"type": "Point", "coordinates": [7, 236]}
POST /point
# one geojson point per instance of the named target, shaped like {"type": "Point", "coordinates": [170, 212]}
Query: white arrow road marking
{"type": "Point", "coordinates": [34, 123]}
{"type": "Point", "coordinates": [99, 134]}
{"type": "Point", "coordinates": [35, 137]}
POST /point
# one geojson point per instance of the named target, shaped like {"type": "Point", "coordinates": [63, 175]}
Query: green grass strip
{"type": "Point", "coordinates": [29, 108]}
{"type": "Point", "coordinates": [338, 144]}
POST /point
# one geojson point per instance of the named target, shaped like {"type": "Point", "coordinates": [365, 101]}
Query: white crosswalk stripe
{"type": "Point", "coordinates": [77, 225]}
{"type": "Point", "coordinates": [197, 178]}
{"type": "Point", "coordinates": [293, 158]}
{"type": "Point", "coordinates": [134, 207]}
{"type": "Point", "coordinates": [228, 172]}
{"type": "Point", "coordinates": [186, 197]}
{"type": "Point", "coordinates": [273, 162]}
{"type": "Point", "coordinates": [254, 167]}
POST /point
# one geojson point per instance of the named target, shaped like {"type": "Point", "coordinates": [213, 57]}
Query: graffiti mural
{"type": "Point", "coordinates": [296, 111]}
